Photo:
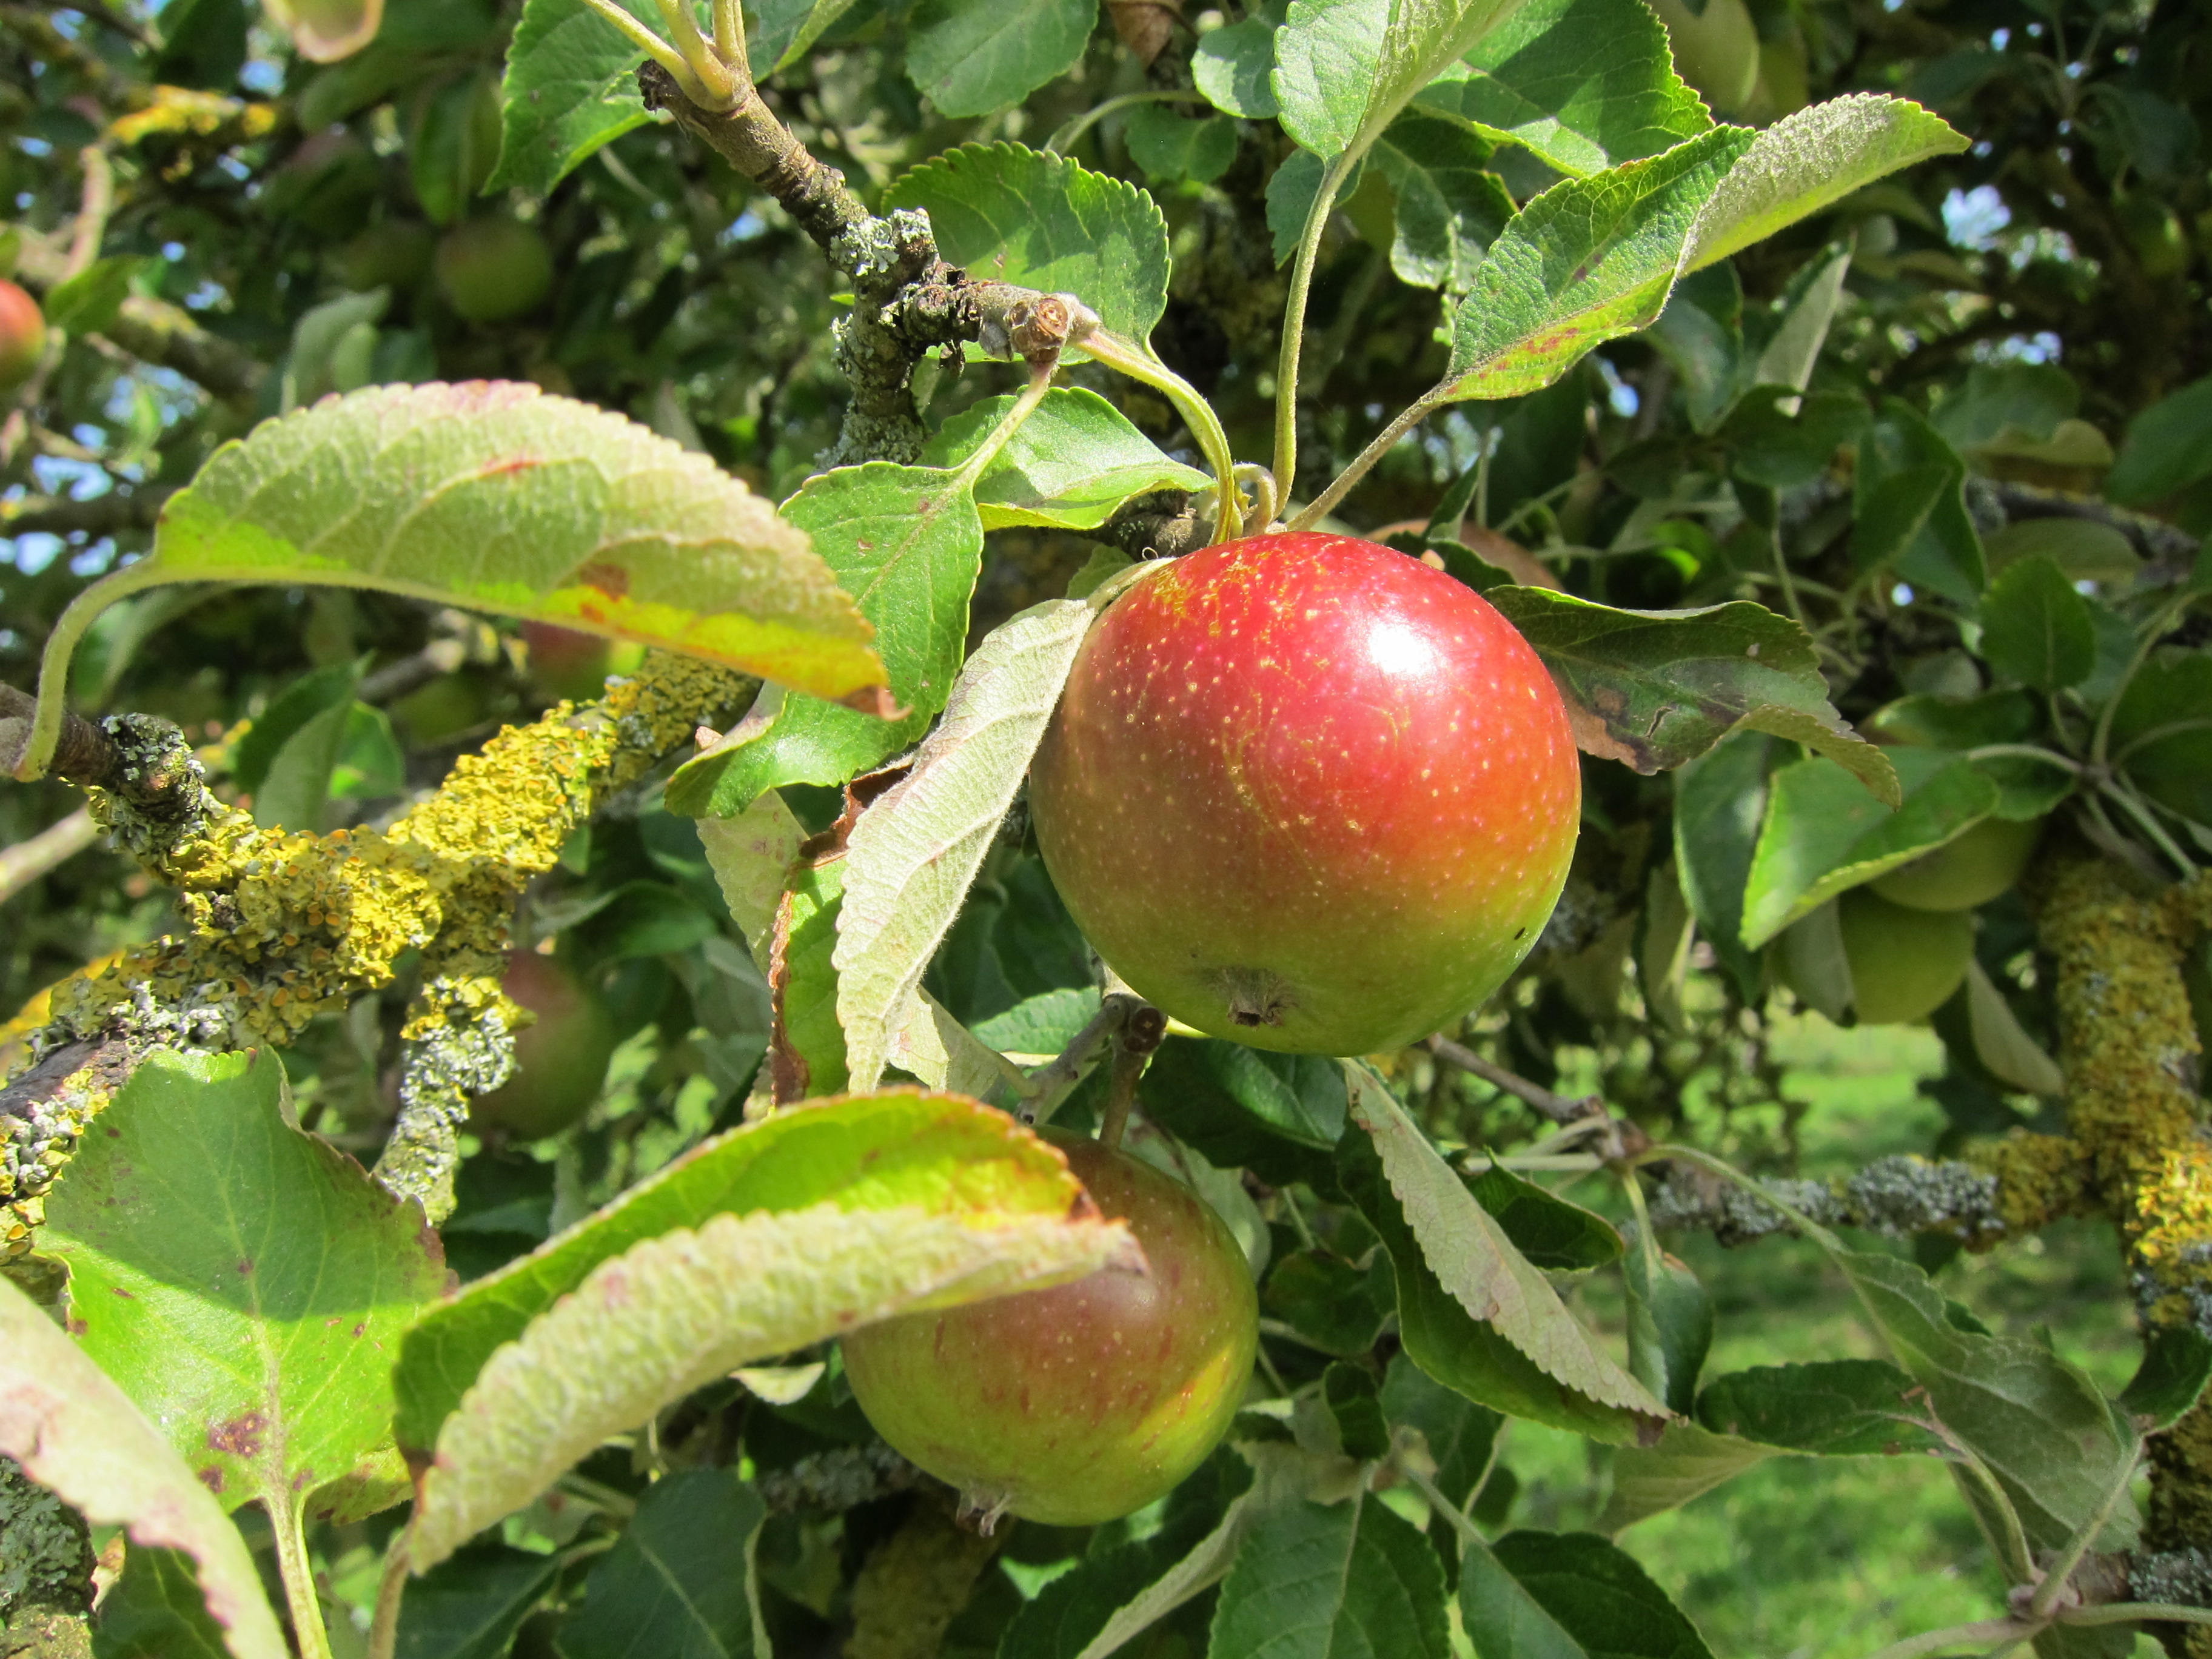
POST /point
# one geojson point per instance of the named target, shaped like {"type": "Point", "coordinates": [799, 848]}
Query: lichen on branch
{"type": "Point", "coordinates": [282, 926]}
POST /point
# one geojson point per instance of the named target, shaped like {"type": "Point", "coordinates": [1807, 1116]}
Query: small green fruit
{"type": "Point", "coordinates": [22, 334]}
{"type": "Point", "coordinates": [566, 662]}
{"type": "Point", "coordinates": [1716, 50]}
{"type": "Point", "coordinates": [493, 269]}
{"type": "Point", "coordinates": [1905, 963]}
{"type": "Point", "coordinates": [560, 1062]}
{"type": "Point", "coordinates": [1972, 870]}
{"type": "Point", "coordinates": [394, 254]}
{"type": "Point", "coordinates": [2154, 233]}
{"type": "Point", "coordinates": [1083, 1403]}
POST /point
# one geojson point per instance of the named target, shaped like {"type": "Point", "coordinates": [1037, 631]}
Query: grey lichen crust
{"type": "Point", "coordinates": [1897, 1196]}
{"type": "Point", "coordinates": [440, 1071]}
{"type": "Point", "coordinates": [2179, 1577]}
{"type": "Point", "coordinates": [46, 1549]}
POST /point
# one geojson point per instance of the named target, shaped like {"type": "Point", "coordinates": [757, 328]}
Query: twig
{"type": "Point", "coordinates": [47, 851]}
{"type": "Point", "coordinates": [1935, 1641]}
{"type": "Point", "coordinates": [1050, 1082]}
{"type": "Point", "coordinates": [97, 515]}
{"type": "Point", "coordinates": [1560, 1108]}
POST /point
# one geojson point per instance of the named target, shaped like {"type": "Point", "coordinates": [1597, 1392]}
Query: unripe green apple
{"type": "Point", "coordinates": [394, 254]}
{"type": "Point", "coordinates": [1716, 50]}
{"type": "Point", "coordinates": [2154, 233]}
{"type": "Point", "coordinates": [1308, 793]}
{"type": "Point", "coordinates": [1085, 1402]}
{"type": "Point", "coordinates": [566, 662]}
{"type": "Point", "coordinates": [1905, 963]}
{"type": "Point", "coordinates": [493, 269]}
{"type": "Point", "coordinates": [1971, 870]}
{"type": "Point", "coordinates": [561, 1061]}
{"type": "Point", "coordinates": [22, 334]}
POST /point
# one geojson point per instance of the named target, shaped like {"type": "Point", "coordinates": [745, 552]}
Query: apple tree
{"type": "Point", "coordinates": [979, 829]}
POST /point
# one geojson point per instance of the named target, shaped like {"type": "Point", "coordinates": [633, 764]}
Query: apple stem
{"type": "Point", "coordinates": [1134, 1039]}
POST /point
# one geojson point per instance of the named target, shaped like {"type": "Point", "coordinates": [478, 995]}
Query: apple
{"type": "Point", "coordinates": [1715, 49]}
{"type": "Point", "coordinates": [1905, 963]}
{"type": "Point", "coordinates": [1970, 869]}
{"type": "Point", "coordinates": [566, 662]}
{"type": "Point", "coordinates": [492, 269]}
{"type": "Point", "coordinates": [22, 334]}
{"type": "Point", "coordinates": [1308, 793]}
{"type": "Point", "coordinates": [561, 1061]}
{"type": "Point", "coordinates": [2155, 234]}
{"type": "Point", "coordinates": [1082, 1403]}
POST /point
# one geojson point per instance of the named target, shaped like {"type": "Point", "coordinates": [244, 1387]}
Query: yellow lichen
{"type": "Point", "coordinates": [2129, 1048]}
{"type": "Point", "coordinates": [2040, 1179]}
{"type": "Point", "coordinates": [284, 926]}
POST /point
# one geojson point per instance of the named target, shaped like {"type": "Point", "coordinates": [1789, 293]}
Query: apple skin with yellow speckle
{"type": "Point", "coordinates": [1085, 1402]}
{"type": "Point", "coordinates": [1307, 793]}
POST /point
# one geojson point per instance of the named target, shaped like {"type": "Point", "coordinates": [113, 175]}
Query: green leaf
{"type": "Point", "coordinates": [1326, 56]}
{"type": "Point", "coordinates": [155, 1611]}
{"type": "Point", "coordinates": [1832, 1408]}
{"type": "Point", "coordinates": [78, 1435]}
{"type": "Point", "coordinates": [643, 918]}
{"type": "Point", "coordinates": [1593, 258]}
{"type": "Point", "coordinates": [1046, 222]}
{"type": "Point", "coordinates": [2161, 734]}
{"type": "Point", "coordinates": [1807, 162]}
{"type": "Point", "coordinates": [1909, 508]}
{"type": "Point", "coordinates": [907, 543]}
{"type": "Point", "coordinates": [1551, 1232]}
{"type": "Point", "coordinates": [292, 708]}
{"type": "Point", "coordinates": [2037, 1423]}
{"type": "Point", "coordinates": [971, 57]}
{"type": "Point", "coordinates": [1233, 66]}
{"type": "Point", "coordinates": [1823, 833]}
{"type": "Point", "coordinates": [1172, 147]}
{"type": "Point", "coordinates": [1333, 1581]}
{"type": "Point", "coordinates": [679, 1582]}
{"type": "Point", "coordinates": [2036, 628]}
{"type": "Point", "coordinates": [571, 87]}
{"type": "Point", "coordinates": [469, 1606]}
{"type": "Point", "coordinates": [234, 1276]}
{"type": "Point", "coordinates": [1069, 466]}
{"type": "Point", "coordinates": [1687, 1462]}
{"type": "Point", "coordinates": [1936, 722]}
{"type": "Point", "coordinates": [1720, 801]}
{"type": "Point", "coordinates": [1670, 1327]}
{"type": "Point", "coordinates": [2002, 1044]}
{"type": "Point", "coordinates": [1355, 1406]}
{"type": "Point", "coordinates": [1459, 1434]}
{"type": "Point", "coordinates": [1568, 1595]}
{"type": "Point", "coordinates": [1292, 189]}
{"type": "Point", "coordinates": [1437, 1233]}
{"type": "Point", "coordinates": [493, 495]}
{"type": "Point", "coordinates": [1667, 685]}
{"type": "Point", "coordinates": [1278, 1115]}
{"type": "Point", "coordinates": [805, 995]}
{"type": "Point", "coordinates": [2177, 1363]}
{"type": "Point", "coordinates": [2167, 447]}
{"type": "Point", "coordinates": [1450, 207]}
{"type": "Point", "coordinates": [1582, 84]}
{"type": "Point", "coordinates": [751, 855]}
{"type": "Point", "coordinates": [916, 851]}
{"type": "Point", "coordinates": [1588, 260]}
{"type": "Point", "coordinates": [1113, 1594]}
{"type": "Point", "coordinates": [1040, 1025]}
{"type": "Point", "coordinates": [756, 1242]}
{"type": "Point", "coordinates": [1337, 1307]}
{"type": "Point", "coordinates": [87, 302]}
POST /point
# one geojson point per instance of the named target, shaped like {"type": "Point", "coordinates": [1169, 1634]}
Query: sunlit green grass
{"type": "Point", "coordinates": [1807, 1559]}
